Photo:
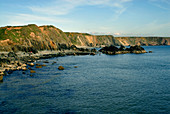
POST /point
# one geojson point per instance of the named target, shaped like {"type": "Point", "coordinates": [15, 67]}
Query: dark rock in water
{"type": "Point", "coordinates": [43, 65]}
{"type": "Point", "coordinates": [92, 53]}
{"type": "Point", "coordinates": [150, 52]}
{"type": "Point", "coordinates": [83, 49]}
{"type": "Point", "coordinates": [23, 72]}
{"type": "Point", "coordinates": [10, 72]}
{"type": "Point", "coordinates": [60, 68]}
{"type": "Point", "coordinates": [122, 48]}
{"type": "Point", "coordinates": [111, 50]}
{"type": "Point", "coordinates": [32, 71]}
{"type": "Point", "coordinates": [136, 47]}
{"type": "Point", "coordinates": [45, 62]}
{"type": "Point", "coordinates": [1, 78]}
{"type": "Point", "coordinates": [75, 66]}
{"type": "Point", "coordinates": [12, 54]}
{"type": "Point", "coordinates": [29, 68]}
{"type": "Point", "coordinates": [39, 66]}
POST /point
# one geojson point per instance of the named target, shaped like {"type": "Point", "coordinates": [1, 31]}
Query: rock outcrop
{"type": "Point", "coordinates": [112, 50]}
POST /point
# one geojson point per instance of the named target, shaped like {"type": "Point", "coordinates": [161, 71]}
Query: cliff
{"type": "Point", "coordinates": [39, 37]}
{"type": "Point", "coordinates": [84, 39]}
{"type": "Point", "coordinates": [144, 41]}
{"type": "Point", "coordinates": [22, 38]}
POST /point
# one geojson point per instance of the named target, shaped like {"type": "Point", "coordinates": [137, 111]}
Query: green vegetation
{"type": "Point", "coordinates": [2, 34]}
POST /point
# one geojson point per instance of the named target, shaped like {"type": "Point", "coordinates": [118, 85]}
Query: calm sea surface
{"type": "Point", "coordinates": [128, 83]}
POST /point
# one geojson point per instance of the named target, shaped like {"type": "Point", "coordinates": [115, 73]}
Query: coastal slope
{"type": "Point", "coordinates": [48, 37]}
{"type": "Point", "coordinates": [39, 37]}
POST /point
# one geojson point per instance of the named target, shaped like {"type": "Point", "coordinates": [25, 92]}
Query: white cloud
{"type": "Point", "coordinates": [163, 4]}
{"type": "Point", "coordinates": [63, 7]}
{"type": "Point", "coordinates": [117, 34]}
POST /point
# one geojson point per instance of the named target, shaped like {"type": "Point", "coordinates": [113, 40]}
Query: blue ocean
{"type": "Point", "coordinates": [100, 84]}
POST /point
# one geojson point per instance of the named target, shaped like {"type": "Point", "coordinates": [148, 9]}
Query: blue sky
{"type": "Point", "coordinates": [115, 17]}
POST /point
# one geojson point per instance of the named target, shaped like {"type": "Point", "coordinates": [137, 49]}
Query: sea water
{"type": "Point", "coordinates": [126, 83]}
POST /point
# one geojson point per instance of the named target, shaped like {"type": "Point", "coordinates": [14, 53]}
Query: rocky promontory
{"type": "Point", "coordinates": [112, 50]}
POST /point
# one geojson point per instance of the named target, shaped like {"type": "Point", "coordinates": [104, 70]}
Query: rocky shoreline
{"type": "Point", "coordinates": [22, 61]}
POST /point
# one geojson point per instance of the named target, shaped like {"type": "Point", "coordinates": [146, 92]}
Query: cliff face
{"type": "Point", "coordinates": [144, 41]}
{"type": "Point", "coordinates": [15, 38]}
{"type": "Point", "coordinates": [84, 39]}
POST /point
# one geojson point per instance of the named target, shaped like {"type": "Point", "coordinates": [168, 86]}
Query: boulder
{"type": "Point", "coordinates": [31, 64]}
{"type": "Point", "coordinates": [23, 65]}
{"type": "Point", "coordinates": [19, 68]}
{"type": "Point", "coordinates": [109, 48]}
{"type": "Point", "coordinates": [75, 66]}
{"type": "Point", "coordinates": [39, 66]}
{"type": "Point", "coordinates": [60, 68]}
{"type": "Point", "coordinates": [1, 78]}
{"type": "Point", "coordinates": [32, 71]}
{"type": "Point", "coordinates": [24, 68]}
{"type": "Point", "coordinates": [92, 53]}
{"type": "Point", "coordinates": [45, 62]}
{"type": "Point", "coordinates": [1, 73]}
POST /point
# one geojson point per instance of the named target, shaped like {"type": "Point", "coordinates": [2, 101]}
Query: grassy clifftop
{"type": "Point", "coordinates": [39, 37]}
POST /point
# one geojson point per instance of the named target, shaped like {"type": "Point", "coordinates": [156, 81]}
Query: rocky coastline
{"type": "Point", "coordinates": [22, 61]}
